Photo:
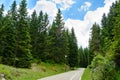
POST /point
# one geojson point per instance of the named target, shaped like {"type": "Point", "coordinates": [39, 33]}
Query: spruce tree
{"type": "Point", "coordinates": [43, 23]}
{"type": "Point", "coordinates": [34, 34]}
{"type": "Point", "coordinates": [1, 32]}
{"type": "Point", "coordinates": [86, 52]}
{"type": "Point", "coordinates": [23, 38]}
{"type": "Point", "coordinates": [116, 33]}
{"type": "Point", "coordinates": [106, 32]}
{"type": "Point", "coordinates": [13, 17]}
{"type": "Point", "coordinates": [58, 34]}
{"type": "Point", "coordinates": [73, 50]}
{"type": "Point", "coordinates": [81, 57]}
{"type": "Point", "coordinates": [8, 42]}
{"type": "Point", "coordinates": [94, 43]}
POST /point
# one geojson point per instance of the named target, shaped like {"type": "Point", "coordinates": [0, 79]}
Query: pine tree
{"type": "Point", "coordinates": [43, 23]}
{"type": "Point", "coordinates": [57, 35]}
{"type": "Point", "coordinates": [34, 34]}
{"type": "Point", "coordinates": [50, 44]}
{"type": "Point", "coordinates": [13, 17]}
{"type": "Point", "coordinates": [8, 42]}
{"type": "Point", "coordinates": [94, 43]}
{"type": "Point", "coordinates": [116, 33]}
{"type": "Point", "coordinates": [83, 57]}
{"type": "Point", "coordinates": [86, 52]}
{"type": "Point", "coordinates": [73, 50]}
{"type": "Point", "coordinates": [23, 38]}
{"type": "Point", "coordinates": [49, 47]}
{"type": "Point", "coordinates": [66, 45]}
{"type": "Point", "coordinates": [107, 27]}
{"type": "Point", "coordinates": [1, 32]}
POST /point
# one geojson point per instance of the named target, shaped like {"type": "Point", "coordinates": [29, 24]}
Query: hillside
{"type": "Point", "coordinates": [36, 72]}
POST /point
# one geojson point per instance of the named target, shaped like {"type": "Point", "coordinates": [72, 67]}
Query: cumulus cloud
{"type": "Point", "coordinates": [46, 6]}
{"type": "Point", "coordinates": [85, 6]}
{"type": "Point", "coordinates": [50, 7]}
{"type": "Point", "coordinates": [81, 30]}
{"type": "Point", "coordinates": [65, 4]}
{"type": "Point", "coordinates": [82, 27]}
{"type": "Point", "coordinates": [96, 16]}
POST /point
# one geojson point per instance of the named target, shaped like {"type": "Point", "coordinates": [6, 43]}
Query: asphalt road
{"type": "Point", "coordinates": [71, 75]}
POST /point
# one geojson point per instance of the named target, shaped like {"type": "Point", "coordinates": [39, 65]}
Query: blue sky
{"type": "Point", "coordinates": [73, 12]}
{"type": "Point", "coordinates": [79, 14]}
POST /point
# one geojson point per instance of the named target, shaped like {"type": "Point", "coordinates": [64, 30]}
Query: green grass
{"type": "Point", "coordinates": [86, 75]}
{"type": "Point", "coordinates": [36, 72]}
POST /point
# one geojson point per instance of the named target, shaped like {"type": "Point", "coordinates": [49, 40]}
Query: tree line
{"type": "Point", "coordinates": [104, 46]}
{"type": "Point", "coordinates": [27, 39]}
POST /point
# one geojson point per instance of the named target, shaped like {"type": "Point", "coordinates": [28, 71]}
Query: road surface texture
{"type": "Point", "coordinates": [71, 75]}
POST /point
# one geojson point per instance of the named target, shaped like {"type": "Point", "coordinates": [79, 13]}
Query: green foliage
{"type": "Point", "coordinates": [42, 33]}
{"type": "Point", "coordinates": [1, 28]}
{"type": "Point", "coordinates": [94, 42]}
{"type": "Point", "coordinates": [58, 26]}
{"type": "Point", "coordinates": [56, 41]}
{"type": "Point", "coordinates": [8, 42]}
{"type": "Point", "coordinates": [117, 74]}
{"type": "Point", "coordinates": [38, 32]}
{"type": "Point", "coordinates": [73, 50]}
{"type": "Point", "coordinates": [116, 34]}
{"type": "Point", "coordinates": [102, 68]}
{"type": "Point", "coordinates": [83, 57]}
{"type": "Point", "coordinates": [23, 38]}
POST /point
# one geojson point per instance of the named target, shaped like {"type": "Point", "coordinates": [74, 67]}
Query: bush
{"type": "Point", "coordinates": [102, 68]}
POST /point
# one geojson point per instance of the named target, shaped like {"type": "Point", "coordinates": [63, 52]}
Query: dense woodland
{"type": "Point", "coordinates": [104, 46]}
{"type": "Point", "coordinates": [31, 39]}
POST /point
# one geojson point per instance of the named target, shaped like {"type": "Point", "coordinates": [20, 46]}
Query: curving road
{"type": "Point", "coordinates": [71, 75]}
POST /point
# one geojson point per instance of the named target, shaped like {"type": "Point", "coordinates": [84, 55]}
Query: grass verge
{"type": "Point", "coordinates": [36, 72]}
{"type": "Point", "coordinates": [86, 75]}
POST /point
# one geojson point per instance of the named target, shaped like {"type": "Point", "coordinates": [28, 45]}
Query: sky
{"type": "Point", "coordinates": [79, 14]}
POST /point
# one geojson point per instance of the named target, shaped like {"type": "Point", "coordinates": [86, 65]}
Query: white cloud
{"type": "Point", "coordinates": [81, 30]}
{"type": "Point", "coordinates": [50, 7]}
{"type": "Point", "coordinates": [109, 1]}
{"type": "Point", "coordinates": [46, 6]}
{"type": "Point", "coordinates": [96, 16]}
{"type": "Point", "coordinates": [85, 6]}
{"type": "Point", "coordinates": [65, 4]}
{"type": "Point", "coordinates": [5, 12]}
{"type": "Point", "coordinates": [82, 27]}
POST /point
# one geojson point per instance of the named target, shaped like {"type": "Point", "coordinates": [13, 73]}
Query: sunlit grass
{"type": "Point", "coordinates": [86, 75]}
{"type": "Point", "coordinates": [36, 72]}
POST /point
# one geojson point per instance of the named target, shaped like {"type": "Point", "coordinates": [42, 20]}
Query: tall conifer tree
{"type": "Point", "coordinates": [73, 50]}
{"type": "Point", "coordinates": [23, 37]}
{"type": "Point", "coordinates": [1, 30]}
{"type": "Point", "coordinates": [94, 43]}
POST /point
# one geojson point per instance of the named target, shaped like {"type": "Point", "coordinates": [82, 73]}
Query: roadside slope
{"type": "Point", "coordinates": [36, 72]}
